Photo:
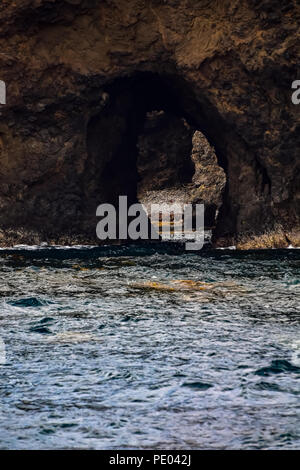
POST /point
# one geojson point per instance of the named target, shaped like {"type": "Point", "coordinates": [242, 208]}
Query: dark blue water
{"type": "Point", "coordinates": [137, 348]}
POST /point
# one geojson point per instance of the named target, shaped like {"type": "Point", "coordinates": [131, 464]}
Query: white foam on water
{"type": "Point", "coordinates": [232, 247]}
{"type": "Point", "coordinates": [296, 354]}
{"type": "Point", "coordinates": [47, 247]}
{"type": "Point", "coordinates": [2, 352]}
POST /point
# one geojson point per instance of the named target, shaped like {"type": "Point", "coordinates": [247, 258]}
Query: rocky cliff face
{"type": "Point", "coordinates": [164, 152]}
{"type": "Point", "coordinates": [175, 163]}
{"type": "Point", "coordinates": [82, 74]}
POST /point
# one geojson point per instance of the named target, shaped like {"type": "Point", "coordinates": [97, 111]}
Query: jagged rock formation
{"type": "Point", "coordinates": [81, 76]}
{"type": "Point", "coordinates": [176, 164]}
{"type": "Point", "coordinates": [209, 179]}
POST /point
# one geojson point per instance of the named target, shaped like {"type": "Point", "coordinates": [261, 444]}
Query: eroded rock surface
{"type": "Point", "coordinates": [164, 152]}
{"type": "Point", "coordinates": [81, 76]}
{"type": "Point", "coordinates": [176, 164]}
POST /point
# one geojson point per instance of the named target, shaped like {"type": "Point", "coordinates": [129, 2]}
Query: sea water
{"type": "Point", "coordinates": [149, 347]}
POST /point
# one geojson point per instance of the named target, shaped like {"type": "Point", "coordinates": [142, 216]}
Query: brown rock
{"type": "Point", "coordinates": [82, 74]}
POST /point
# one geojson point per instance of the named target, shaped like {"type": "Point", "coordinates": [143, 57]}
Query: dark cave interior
{"type": "Point", "coordinates": [113, 135]}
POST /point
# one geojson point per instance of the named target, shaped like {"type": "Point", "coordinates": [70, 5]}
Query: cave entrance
{"type": "Point", "coordinates": [145, 143]}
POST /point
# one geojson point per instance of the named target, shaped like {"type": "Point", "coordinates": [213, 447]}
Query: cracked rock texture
{"type": "Point", "coordinates": [176, 164]}
{"type": "Point", "coordinates": [81, 76]}
{"type": "Point", "coordinates": [164, 152]}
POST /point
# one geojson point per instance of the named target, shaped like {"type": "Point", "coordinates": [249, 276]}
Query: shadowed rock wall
{"type": "Point", "coordinates": [176, 164]}
{"type": "Point", "coordinates": [82, 74]}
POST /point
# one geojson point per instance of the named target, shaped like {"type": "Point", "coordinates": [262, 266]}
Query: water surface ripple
{"type": "Point", "coordinates": [135, 347]}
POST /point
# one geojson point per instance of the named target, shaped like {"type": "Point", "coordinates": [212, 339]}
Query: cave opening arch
{"type": "Point", "coordinates": [113, 133]}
